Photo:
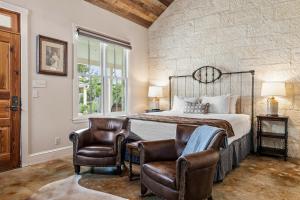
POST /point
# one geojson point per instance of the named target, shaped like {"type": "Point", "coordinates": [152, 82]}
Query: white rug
{"type": "Point", "coordinates": [68, 189]}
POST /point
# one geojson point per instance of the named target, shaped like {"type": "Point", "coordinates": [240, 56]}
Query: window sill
{"type": "Point", "coordinates": [85, 119]}
{"type": "Point", "coordinates": [80, 120]}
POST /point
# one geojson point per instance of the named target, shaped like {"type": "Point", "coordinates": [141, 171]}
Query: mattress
{"type": "Point", "coordinates": [150, 130]}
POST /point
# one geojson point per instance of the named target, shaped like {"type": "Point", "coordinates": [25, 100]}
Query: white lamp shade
{"type": "Point", "coordinates": [273, 89]}
{"type": "Point", "coordinates": [155, 92]}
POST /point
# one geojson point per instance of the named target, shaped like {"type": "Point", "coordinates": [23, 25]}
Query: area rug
{"type": "Point", "coordinates": [70, 189]}
{"type": "Point", "coordinates": [117, 185]}
{"type": "Point", "coordinates": [94, 183]}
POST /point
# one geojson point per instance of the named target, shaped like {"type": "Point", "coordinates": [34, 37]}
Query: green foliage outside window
{"type": "Point", "coordinates": [92, 84]}
{"type": "Point", "coordinates": [117, 94]}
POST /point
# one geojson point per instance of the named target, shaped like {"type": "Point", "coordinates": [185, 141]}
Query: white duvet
{"type": "Point", "coordinates": [149, 130]}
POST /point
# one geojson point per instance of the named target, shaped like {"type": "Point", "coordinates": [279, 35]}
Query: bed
{"type": "Point", "coordinates": [206, 81]}
{"type": "Point", "coordinates": [147, 130]}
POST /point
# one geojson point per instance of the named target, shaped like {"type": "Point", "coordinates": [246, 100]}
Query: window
{"type": "Point", "coordinates": [100, 77]}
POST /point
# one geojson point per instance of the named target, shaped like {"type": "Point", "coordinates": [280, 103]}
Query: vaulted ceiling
{"type": "Point", "coordinates": [143, 12]}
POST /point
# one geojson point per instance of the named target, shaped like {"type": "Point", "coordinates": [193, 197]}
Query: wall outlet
{"type": "Point", "coordinates": [57, 141]}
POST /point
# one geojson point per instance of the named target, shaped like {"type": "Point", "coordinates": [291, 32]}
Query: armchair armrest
{"type": "Point", "coordinates": [119, 137]}
{"type": "Point", "coordinates": [123, 132]}
{"type": "Point", "coordinates": [199, 160]}
{"type": "Point", "coordinates": [161, 150]}
{"type": "Point", "coordinates": [80, 138]}
{"type": "Point", "coordinates": [196, 161]}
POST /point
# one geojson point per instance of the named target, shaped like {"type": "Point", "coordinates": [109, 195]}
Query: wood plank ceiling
{"type": "Point", "coordinates": [143, 12]}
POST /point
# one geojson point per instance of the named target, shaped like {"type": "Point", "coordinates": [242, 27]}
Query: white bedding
{"type": "Point", "coordinates": [150, 130]}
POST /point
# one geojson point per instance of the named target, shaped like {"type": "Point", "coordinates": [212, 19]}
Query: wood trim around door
{"type": "Point", "coordinates": [10, 91]}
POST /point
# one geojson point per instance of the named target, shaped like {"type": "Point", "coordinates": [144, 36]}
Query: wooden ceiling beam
{"type": "Point", "coordinates": [136, 8]}
{"type": "Point", "coordinates": [150, 6]}
{"type": "Point", "coordinates": [166, 2]}
{"type": "Point", "coordinates": [121, 12]}
{"type": "Point", "coordinates": [143, 12]}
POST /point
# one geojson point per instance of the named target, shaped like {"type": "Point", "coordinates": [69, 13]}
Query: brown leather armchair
{"type": "Point", "coordinates": [100, 145]}
{"type": "Point", "coordinates": [171, 176]}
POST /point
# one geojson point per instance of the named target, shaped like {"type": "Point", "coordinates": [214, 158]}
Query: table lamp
{"type": "Point", "coordinates": [155, 92]}
{"type": "Point", "coordinates": [272, 89]}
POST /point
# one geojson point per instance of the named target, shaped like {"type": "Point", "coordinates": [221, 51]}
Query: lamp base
{"type": "Point", "coordinates": [155, 109]}
{"type": "Point", "coordinates": [155, 104]}
{"type": "Point", "coordinates": [272, 106]}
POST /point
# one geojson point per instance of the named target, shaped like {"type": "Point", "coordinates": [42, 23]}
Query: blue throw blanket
{"type": "Point", "coordinates": [201, 138]}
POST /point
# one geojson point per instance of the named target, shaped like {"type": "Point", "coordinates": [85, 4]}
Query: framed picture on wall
{"type": "Point", "coordinates": [52, 56]}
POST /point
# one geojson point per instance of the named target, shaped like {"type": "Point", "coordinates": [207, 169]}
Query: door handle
{"type": "Point", "coordinates": [14, 104]}
{"type": "Point", "coordinates": [12, 108]}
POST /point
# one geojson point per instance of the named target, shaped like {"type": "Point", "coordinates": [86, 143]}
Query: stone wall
{"type": "Point", "coordinates": [263, 35]}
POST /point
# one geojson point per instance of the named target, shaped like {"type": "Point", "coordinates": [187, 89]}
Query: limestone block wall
{"type": "Point", "coordinates": [233, 35]}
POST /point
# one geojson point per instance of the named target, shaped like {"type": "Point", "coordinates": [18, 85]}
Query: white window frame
{"type": "Point", "coordinates": [105, 92]}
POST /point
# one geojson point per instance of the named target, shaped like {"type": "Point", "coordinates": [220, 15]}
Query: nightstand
{"type": "Point", "coordinates": [282, 152]}
{"type": "Point", "coordinates": [133, 149]}
{"type": "Point", "coordinates": [156, 110]}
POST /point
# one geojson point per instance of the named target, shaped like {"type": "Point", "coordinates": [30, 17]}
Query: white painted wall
{"type": "Point", "coordinates": [233, 35]}
{"type": "Point", "coordinates": [50, 115]}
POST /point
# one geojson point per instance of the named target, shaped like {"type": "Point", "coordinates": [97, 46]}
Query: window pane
{"type": "Point", "coordinates": [110, 59]}
{"type": "Point", "coordinates": [5, 21]}
{"type": "Point", "coordinates": [115, 61]}
{"type": "Point", "coordinates": [83, 50]}
{"type": "Point", "coordinates": [89, 76]}
{"type": "Point", "coordinates": [90, 89]}
{"type": "Point", "coordinates": [117, 95]}
{"type": "Point", "coordinates": [119, 70]}
{"type": "Point", "coordinates": [94, 52]}
{"type": "Point", "coordinates": [88, 51]}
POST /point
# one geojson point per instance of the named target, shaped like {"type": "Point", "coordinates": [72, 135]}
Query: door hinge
{"type": "Point", "coordinates": [12, 49]}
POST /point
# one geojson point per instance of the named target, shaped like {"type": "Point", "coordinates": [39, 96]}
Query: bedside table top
{"type": "Point", "coordinates": [273, 117]}
{"type": "Point", "coordinates": [149, 111]}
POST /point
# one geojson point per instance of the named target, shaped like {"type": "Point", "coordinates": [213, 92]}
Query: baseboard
{"type": "Point", "coordinates": [45, 156]}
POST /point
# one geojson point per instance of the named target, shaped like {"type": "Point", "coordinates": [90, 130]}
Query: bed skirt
{"type": "Point", "coordinates": [230, 157]}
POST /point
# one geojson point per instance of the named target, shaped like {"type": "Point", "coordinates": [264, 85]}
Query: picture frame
{"type": "Point", "coordinates": [52, 56]}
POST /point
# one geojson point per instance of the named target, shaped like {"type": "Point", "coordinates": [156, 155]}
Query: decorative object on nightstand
{"type": "Point", "coordinates": [272, 89]}
{"type": "Point", "coordinates": [155, 92]}
{"type": "Point", "coordinates": [280, 136]}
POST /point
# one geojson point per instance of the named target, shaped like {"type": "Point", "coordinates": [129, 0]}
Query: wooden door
{"type": "Point", "coordinates": [9, 93]}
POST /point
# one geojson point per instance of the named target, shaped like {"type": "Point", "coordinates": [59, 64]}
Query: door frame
{"type": "Point", "coordinates": [24, 142]}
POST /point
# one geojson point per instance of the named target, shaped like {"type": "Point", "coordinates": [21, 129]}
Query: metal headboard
{"type": "Point", "coordinates": [211, 81]}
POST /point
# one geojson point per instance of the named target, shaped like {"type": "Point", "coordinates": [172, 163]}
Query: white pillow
{"type": "Point", "coordinates": [218, 104]}
{"type": "Point", "coordinates": [179, 103]}
{"type": "Point", "coordinates": [233, 102]}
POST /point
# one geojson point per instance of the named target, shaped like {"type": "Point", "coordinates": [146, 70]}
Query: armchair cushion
{"type": "Point", "coordinates": [162, 172]}
{"type": "Point", "coordinates": [97, 151]}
